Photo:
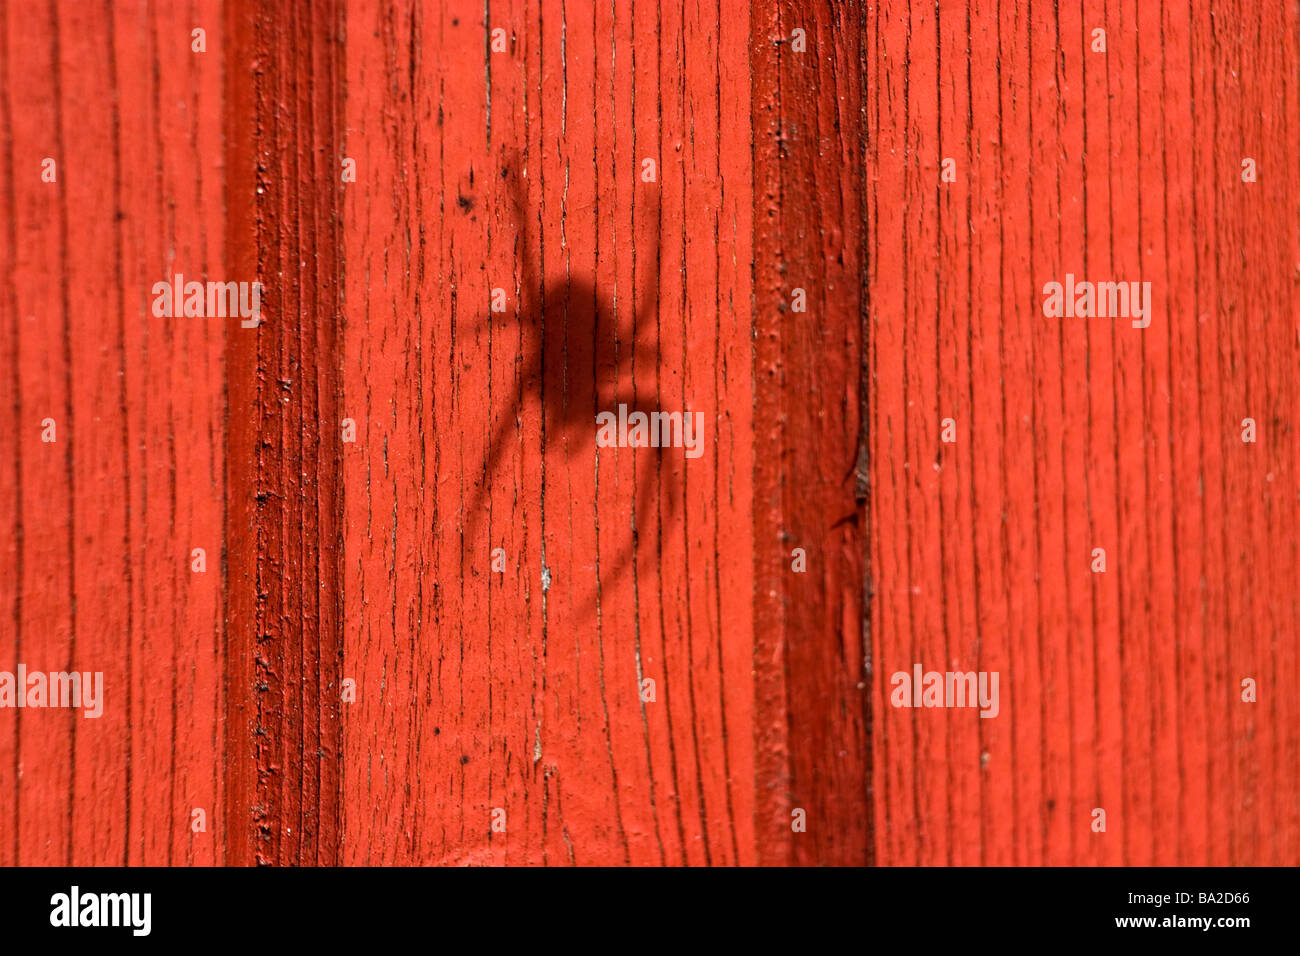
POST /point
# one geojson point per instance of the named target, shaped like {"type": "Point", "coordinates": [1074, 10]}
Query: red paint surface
{"type": "Point", "coordinates": [810, 468]}
{"type": "Point", "coordinates": [282, 388]}
{"type": "Point", "coordinates": [99, 525]}
{"type": "Point", "coordinates": [776, 170]}
{"type": "Point", "coordinates": [482, 690]}
{"type": "Point", "coordinates": [1119, 690]}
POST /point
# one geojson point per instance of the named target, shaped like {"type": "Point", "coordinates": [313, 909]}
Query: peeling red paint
{"type": "Point", "coordinates": [501, 711]}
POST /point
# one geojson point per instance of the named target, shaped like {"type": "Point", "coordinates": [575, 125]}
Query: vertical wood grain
{"type": "Point", "coordinates": [100, 524]}
{"type": "Point", "coordinates": [1120, 690]}
{"type": "Point", "coordinates": [283, 747]}
{"type": "Point", "coordinates": [810, 667]}
{"type": "Point", "coordinates": [520, 691]}
{"type": "Point", "coordinates": [481, 692]}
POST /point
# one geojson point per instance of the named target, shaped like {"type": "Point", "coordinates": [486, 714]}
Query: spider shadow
{"type": "Point", "coordinates": [574, 311]}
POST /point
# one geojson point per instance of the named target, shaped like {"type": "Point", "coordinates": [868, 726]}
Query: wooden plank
{"type": "Point", "coordinates": [521, 691]}
{"type": "Point", "coordinates": [284, 737]}
{"type": "Point", "coordinates": [1119, 690]}
{"type": "Point", "coordinates": [101, 523]}
{"type": "Point", "coordinates": [810, 685]}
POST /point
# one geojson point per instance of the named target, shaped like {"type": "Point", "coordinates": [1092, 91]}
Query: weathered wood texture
{"type": "Point", "coordinates": [371, 566]}
{"type": "Point", "coordinates": [810, 680]}
{"type": "Point", "coordinates": [524, 171]}
{"type": "Point", "coordinates": [527, 689]}
{"type": "Point", "coordinates": [1119, 690]}
{"type": "Point", "coordinates": [284, 533]}
{"type": "Point", "coordinates": [99, 524]}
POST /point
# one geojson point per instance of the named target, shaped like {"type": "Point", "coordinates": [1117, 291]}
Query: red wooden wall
{"type": "Point", "coordinates": [1119, 690]}
{"type": "Point", "coordinates": [99, 524]}
{"type": "Point", "coordinates": [352, 680]}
